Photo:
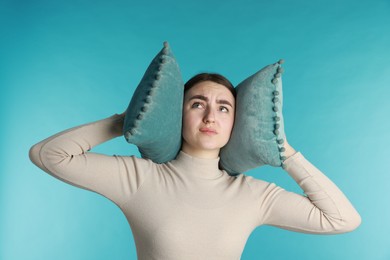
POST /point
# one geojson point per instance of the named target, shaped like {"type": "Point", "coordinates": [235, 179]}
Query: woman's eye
{"type": "Point", "coordinates": [197, 105]}
{"type": "Point", "coordinates": [224, 109]}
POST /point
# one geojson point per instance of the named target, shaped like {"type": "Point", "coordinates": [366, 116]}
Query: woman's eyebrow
{"type": "Point", "coordinates": [201, 97]}
{"type": "Point", "coordinates": [204, 98]}
{"type": "Point", "coordinates": [225, 102]}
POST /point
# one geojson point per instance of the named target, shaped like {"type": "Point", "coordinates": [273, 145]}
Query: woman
{"type": "Point", "coordinates": [188, 208]}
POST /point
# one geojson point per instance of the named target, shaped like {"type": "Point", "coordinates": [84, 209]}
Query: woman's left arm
{"type": "Point", "coordinates": [324, 209]}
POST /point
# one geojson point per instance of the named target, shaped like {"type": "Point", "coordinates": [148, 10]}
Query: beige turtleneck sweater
{"type": "Point", "coordinates": [188, 208]}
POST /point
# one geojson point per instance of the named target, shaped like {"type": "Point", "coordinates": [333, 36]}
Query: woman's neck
{"type": "Point", "coordinates": [201, 153]}
{"type": "Point", "coordinates": [193, 166]}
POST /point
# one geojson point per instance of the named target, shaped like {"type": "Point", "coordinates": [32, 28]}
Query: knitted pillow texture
{"type": "Point", "coordinates": [258, 133]}
{"type": "Point", "coordinates": [153, 119]}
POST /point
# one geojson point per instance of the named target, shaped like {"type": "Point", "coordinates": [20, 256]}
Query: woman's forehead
{"type": "Point", "coordinates": [209, 89]}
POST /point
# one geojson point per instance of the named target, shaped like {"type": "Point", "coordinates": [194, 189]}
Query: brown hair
{"type": "Point", "coordinates": [217, 78]}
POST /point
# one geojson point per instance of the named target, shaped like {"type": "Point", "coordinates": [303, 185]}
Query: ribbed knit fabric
{"type": "Point", "coordinates": [188, 208]}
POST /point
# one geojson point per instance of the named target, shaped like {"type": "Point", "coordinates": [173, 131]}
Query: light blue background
{"type": "Point", "coordinates": [71, 62]}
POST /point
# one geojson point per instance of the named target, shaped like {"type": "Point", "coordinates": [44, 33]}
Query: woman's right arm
{"type": "Point", "coordinates": [66, 156]}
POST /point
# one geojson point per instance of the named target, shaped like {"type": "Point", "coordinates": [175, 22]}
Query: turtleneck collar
{"type": "Point", "coordinates": [197, 167]}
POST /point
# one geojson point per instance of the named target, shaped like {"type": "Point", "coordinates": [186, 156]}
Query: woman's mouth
{"type": "Point", "coordinates": [208, 131]}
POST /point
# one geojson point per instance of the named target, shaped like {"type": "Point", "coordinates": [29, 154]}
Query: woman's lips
{"type": "Point", "coordinates": [209, 131]}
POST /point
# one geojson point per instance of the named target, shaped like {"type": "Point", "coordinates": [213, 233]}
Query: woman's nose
{"type": "Point", "coordinates": [209, 116]}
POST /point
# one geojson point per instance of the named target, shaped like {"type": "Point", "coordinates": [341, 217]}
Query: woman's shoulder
{"type": "Point", "coordinates": [256, 185]}
{"type": "Point", "coordinates": [137, 164]}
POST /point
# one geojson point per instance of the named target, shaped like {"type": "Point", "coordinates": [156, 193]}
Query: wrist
{"type": "Point", "coordinates": [289, 150]}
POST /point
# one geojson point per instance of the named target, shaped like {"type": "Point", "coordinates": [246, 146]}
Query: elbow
{"type": "Point", "coordinates": [34, 155]}
{"type": "Point", "coordinates": [348, 224]}
{"type": "Point", "coordinates": [353, 222]}
{"type": "Point", "coordinates": [45, 157]}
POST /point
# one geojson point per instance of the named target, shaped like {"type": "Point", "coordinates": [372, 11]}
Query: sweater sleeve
{"type": "Point", "coordinates": [324, 209]}
{"type": "Point", "coordinates": [67, 156]}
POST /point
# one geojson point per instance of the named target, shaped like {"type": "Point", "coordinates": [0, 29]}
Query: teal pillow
{"type": "Point", "coordinates": [258, 133]}
{"type": "Point", "coordinates": [153, 118]}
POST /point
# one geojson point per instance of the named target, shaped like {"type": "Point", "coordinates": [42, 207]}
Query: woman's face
{"type": "Point", "coordinates": [208, 117]}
